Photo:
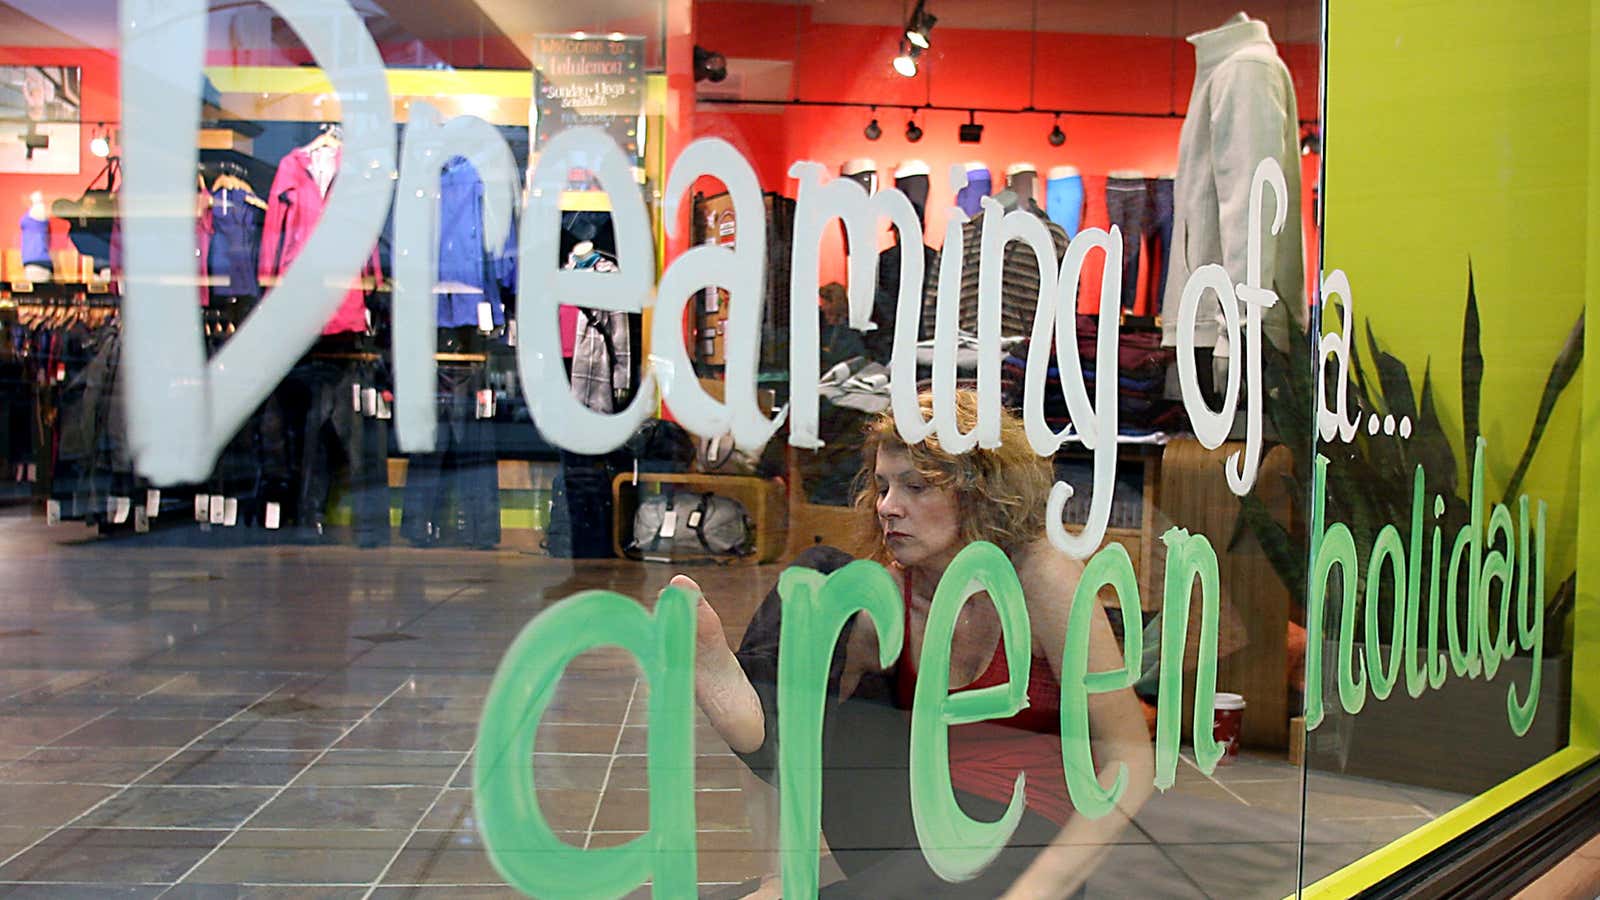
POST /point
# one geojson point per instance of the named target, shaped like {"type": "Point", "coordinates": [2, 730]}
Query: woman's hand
{"type": "Point", "coordinates": [721, 689]}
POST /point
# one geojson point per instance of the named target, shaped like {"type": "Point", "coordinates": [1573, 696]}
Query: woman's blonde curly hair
{"type": "Point", "coordinates": [1001, 492]}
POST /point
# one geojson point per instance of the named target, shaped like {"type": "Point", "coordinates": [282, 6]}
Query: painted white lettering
{"type": "Point", "coordinates": [542, 286]}
{"type": "Point", "coordinates": [820, 202]}
{"type": "Point", "coordinates": [740, 272]}
{"type": "Point", "coordinates": [428, 146]}
{"type": "Point", "coordinates": [1337, 421]}
{"type": "Point", "coordinates": [1096, 423]}
{"type": "Point", "coordinates": [182, 410]}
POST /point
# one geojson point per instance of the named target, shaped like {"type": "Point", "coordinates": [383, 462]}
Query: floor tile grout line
{"type": "Point", "coordinates": [1228, 790]}
{"type": "Point", "coordinates": [622, 729]}
{"type": "Point", "coordinates": [84, 725]}
{"type": "Point", "coordinates": [280, 791]}
{"type": "Point", "coordinates": [416, 827]}
{"type": "Point", "coordinates": [167, 682]}
{"type": "Point", "coordinates": [117, 793]}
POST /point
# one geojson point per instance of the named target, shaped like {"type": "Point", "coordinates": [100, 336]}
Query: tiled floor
{"type": "Point", "coordinates": [288, 721]}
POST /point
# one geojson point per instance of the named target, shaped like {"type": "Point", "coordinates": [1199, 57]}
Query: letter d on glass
{"type": "Point", "coordinates": [181, 409]}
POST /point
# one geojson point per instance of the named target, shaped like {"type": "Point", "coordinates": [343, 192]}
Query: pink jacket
{"type": "Point", "coordinates": [294, 207]}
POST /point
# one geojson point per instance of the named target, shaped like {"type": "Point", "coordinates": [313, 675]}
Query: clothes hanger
{"type": "Point", "coordinates": [332, 136]}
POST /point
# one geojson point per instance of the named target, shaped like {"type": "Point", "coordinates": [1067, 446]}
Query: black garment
{"type": "Point", "coordinates": [839, 343]}
{"type": "Point", "coordinates": [581, 508]}
{"type": "Point", "coordinates": [1019, 281]}
{"type": "Point", "coordinates": [91, 464]}
{"type": "Point", "coordinates": [337, 439]}
{"type": "Point", "coordinates": [867, 178]}
{"type": "Point", "coordinates": [866, 789]}
{"type": "Point", "coordinates": [462, 468]}
{"type": "Point", "coordinates": [254, 467]}
{"type": "Point", "coordinates": [915, 187]}
{"type": "Point", "coordinates": [1128, 203]}
{"type": "Point", "coordinates": [886, 301]}
{"type": "Point", "coordinates": [1160, 238]}
{"type": "Point", "coordinates": [1026, 186]}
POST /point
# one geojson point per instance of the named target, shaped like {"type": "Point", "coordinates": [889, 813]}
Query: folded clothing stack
{"type": "Point", "coordinates": [1142, 365]}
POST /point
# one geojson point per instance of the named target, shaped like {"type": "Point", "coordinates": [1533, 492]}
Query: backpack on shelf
{"type": "Point", "coordinates": [679, 525]}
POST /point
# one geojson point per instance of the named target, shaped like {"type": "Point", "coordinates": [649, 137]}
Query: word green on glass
{"type": "Point", "coordinates": [530, 856]}
{"type": "Point", "coordinates": [1480, 635]}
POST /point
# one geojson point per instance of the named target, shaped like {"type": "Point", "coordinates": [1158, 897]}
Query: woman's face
{"type": "Point", "coordinates": [919, 522]}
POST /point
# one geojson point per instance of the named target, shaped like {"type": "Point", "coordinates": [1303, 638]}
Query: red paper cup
{"type": "Point", "coordinates": [1227, 717]}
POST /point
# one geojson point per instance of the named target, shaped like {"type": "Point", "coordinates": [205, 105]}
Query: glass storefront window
{"type": "Point", "coordinates": [750, 449]}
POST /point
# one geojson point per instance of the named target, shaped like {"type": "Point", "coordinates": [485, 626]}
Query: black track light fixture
{"type": "Point", "coordinates": [709, 65]}
{"type": "Point", "coordinates": [920, 26]}
{"type": "Point", "coordinates": [913, 133]}
{"type": "Point", "coordinates": [1310, 140]}
{"type": "Point", "coordinates": [872, 132]}
{"type": "Point", "coordinates": [971, 132]}
{"type": "Point", "coordinates": [1057, 136]}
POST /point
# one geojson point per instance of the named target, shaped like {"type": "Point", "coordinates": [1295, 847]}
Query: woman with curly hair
{"type": "Point", "coordinates": [921, 505]}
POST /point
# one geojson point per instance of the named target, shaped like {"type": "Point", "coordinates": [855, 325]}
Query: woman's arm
{"type": "Point", "coordinates": [1116, 723]}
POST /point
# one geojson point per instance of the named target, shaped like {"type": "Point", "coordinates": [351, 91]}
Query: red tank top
{"type": "Point", "coordinates": [985, 757]}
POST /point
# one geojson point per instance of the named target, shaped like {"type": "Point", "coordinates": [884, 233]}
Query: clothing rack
{"type": "Point", "coordinates": [374, 357]}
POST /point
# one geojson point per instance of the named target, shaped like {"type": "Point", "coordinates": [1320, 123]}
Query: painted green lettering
{"type": "Point", "coordinates": [519, 839]}
{"type": "Point", "coordinates": [1469, 545]}
{"type": "Point", "coordinates": [1331, 546]}
{"type": "Point", "coordinates": [1387, 547]}
{"type": "Point", "coordinates": [956, 846]}
{"type": "Point", "coordinates": [1111, 567]}
{"type": "Point", "coordinates": [1497, 566]}
{"type": "Point", "coordinates": [1416, 668]}
{"type": "Point", "coordinates": [1530, 629]}
{"type": "Point", "coordinates": [1437, 669]}
{"type": "Point", "coordinates": [815, 610]}
{"type": "Point", "coordinates": [1189, 557]}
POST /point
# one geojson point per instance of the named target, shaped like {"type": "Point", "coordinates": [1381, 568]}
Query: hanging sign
{"type": "Point", "coordinates": [582, 80]}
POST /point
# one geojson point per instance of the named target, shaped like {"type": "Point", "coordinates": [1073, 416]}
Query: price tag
{"type": "Point", "coordinates": [152, 503]}
{"type": "Point", "coordinates": [141, 522]}
{"type": "Point", "coordinates": [485, 317]}
{"type": "Point", "coordinates": [230, 512]}
{"type": "Point", "coordinates": [217, 509]}
{"type": "Point", "coordinates": [511, 332]}
{"type": "Point", "coordinates": [669, 523]}
{"type": "Point", "coordinates": [52, 512]}
{"type": "Point", "coordinates": [369, 402]}
{"type": "Point", "coordinates": [384, 410]}
{"type": "Point", "coordinates": [33, 472]}
{"type": "Point", "coordinates": [121, 508]}
{"type": "Point", "coordinates": [355, 397]}
{"type": "Point", "coordinates": [273, 516]}
{"type": "Point", "coordinates": [202, 507]}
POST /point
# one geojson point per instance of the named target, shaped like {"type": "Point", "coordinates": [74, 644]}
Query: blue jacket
{"type": "Point", "coordinates": [462, 259]}
{"type": "Point", "coordinates": [235, 244]}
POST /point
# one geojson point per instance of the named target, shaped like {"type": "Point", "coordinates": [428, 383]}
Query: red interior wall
{"type": "Point", "coordinates": [99, 105]}
{"type": "Point", "coordinates": [964, 67]}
